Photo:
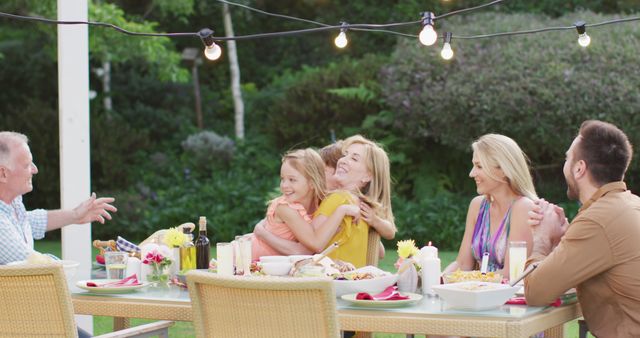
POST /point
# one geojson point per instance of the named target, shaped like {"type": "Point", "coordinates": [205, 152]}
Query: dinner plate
{"type": "Point", "coordinates": [105, 289]}
{"type": "Point", "coordinates": [413, 298]}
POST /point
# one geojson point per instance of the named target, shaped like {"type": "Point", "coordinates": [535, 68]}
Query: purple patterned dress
{"type": "Point", "coordinates": [483, 241]}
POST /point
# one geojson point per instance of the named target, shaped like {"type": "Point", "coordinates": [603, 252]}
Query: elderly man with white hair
{"type": "Point", "coordinates": [19, 227]}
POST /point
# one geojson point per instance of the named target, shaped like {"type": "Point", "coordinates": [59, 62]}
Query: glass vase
{"type": "Point", "coordinates": [159, 276]}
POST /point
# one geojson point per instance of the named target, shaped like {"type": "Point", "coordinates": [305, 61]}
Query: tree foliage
{"type": "Point", "coordinates": [536, 90]}
{"type": "Point", "coordinates": [302, 90]}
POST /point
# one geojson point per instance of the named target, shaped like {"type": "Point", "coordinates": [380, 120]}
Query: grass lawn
{"type": "Point", "coordinates": [185, 329]}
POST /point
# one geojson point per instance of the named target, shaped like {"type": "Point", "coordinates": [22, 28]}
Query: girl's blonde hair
{"type": "Point", "coordinates": [309, 163]}
{"type": "Point", "coordinates": [377, 192]}
{"type": "Point", "coordinates": [499, 151]}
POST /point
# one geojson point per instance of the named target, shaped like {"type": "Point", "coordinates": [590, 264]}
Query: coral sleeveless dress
{"type": "Point", "coordinates": [261, 248]}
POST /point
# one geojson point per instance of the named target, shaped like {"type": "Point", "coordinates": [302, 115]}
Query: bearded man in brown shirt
{"type": "Point", "coordinates": [599, 252]}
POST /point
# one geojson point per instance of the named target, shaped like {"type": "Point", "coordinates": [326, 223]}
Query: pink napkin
{"type": "Point", "coordinates": [390, 293]}
{"type": "Point", "coordinates": [129, 281]}
{"type": "Point", "coordinates": [523, 301]}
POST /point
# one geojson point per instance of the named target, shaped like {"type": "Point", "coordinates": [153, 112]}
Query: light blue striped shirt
{"type": "Point", "coordinates": [18, 229]}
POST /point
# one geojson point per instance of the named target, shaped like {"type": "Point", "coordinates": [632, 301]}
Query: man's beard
{"type": "Point", "coordinates": [573, 192]}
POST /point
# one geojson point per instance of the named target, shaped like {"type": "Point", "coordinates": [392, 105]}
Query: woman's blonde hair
{"type": "Point", "coordinates": [376, 192]}
{"type": "Point", "coordinates": [309, 163]}
{"type": "Point", "coordinates": [501, 152]}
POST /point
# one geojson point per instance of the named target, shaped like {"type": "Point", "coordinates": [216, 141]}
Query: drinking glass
{"type": "Point", "coordinates": [116, 264]}
{"type": "Point", "coordinates": [245, 251]}
{"type": "Point", "coordinates": [224, 253]}
{"type": "Point", "coordinates": [517, 259]}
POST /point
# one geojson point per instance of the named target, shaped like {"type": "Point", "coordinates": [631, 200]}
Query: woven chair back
{"type": "Point", "coordinates": [373, 243]}
{"type": "Point", "coordinates": [262, 307]}
{"type": "Point", "coordinates": [35, 301]}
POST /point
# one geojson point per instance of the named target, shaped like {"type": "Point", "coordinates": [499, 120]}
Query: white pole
{"type": "Point", "coordinates": [73, 96]}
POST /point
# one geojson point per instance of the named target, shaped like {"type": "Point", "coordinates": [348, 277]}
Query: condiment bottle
{"type": "Point", "coordinates": [202, 245]}
{"type": "Point", "coordinates": [187, 251]}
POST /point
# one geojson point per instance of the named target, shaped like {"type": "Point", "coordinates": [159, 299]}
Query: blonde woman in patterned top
{"type": "Point", "coordinates": [499, 214]}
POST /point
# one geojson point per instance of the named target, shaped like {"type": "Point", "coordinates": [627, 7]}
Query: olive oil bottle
{"type": "Point", "coordinates": [188, 252]}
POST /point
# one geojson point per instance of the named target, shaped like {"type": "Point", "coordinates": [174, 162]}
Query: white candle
{"type": "Point", "coordinates": [134, 267]}
{"type": "Point", "coordinates": [225, 259]}
{"type": "Point", "coordinates": [431, 270]}
{"type": "Point", "coordinates": [429, 251]}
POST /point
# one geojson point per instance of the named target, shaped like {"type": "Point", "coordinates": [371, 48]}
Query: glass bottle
{"type": "Point", "coordinates": [202, 245]}
{"type": "Point", "coordinates": [188, 252]}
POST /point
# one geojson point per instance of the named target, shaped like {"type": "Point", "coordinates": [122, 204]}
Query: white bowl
{"type": "Point", "coordinates": [271, 259]}
{"type": "Point", "coordinates": [372, 286]}
{"type": "Point", "coordinates": [475, 295]}
{"type": "Point", "coordinates": [297, 258]}
{"type": "Point", "coordinates": [276, 268]}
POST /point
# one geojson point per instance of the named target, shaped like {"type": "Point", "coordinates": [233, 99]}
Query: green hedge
{"type": "Point", "coordinates": [169, 192]}
{"type": "Point", "coordinates": [535, 88]}
{"type": "Point", "coordinates": [439, 219]}
{"type": "Point", "coordinates": [302, 108]}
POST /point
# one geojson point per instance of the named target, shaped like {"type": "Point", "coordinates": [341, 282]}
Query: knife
{"type": "Point", "coordinates": [529, 270]}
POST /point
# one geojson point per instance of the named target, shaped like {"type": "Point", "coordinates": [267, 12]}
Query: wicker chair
{"type": "Point", "coordinates": [373, 242]}
{"type": "Point", "coordinates": [35, 301]}
{"type": "Point", "coordinates": [262, 307]}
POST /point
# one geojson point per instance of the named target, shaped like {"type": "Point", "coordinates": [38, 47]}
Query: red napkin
{"type": "Point", "coordinates": [129, 281]}
{"type": "Point", "coordinates": [390, 293]}
{"type": "Point", "coordinates": [523, 301]}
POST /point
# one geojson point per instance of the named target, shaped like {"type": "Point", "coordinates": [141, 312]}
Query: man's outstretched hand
{"type": "Point", "coordinates": [94, 210]}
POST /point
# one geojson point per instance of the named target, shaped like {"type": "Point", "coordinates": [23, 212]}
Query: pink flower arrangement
{"type": "Point", "coordinates": [158, 262]}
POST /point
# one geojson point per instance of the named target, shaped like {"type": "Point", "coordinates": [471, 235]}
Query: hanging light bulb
{"type": "Point", "coordinates": [447, 52]}
{"type": "Point", "coordinates": [583, 39]}
{"type": "Point", "coordinates": [341, 41]}
{"type": "Point", "coordinates": [211, 50]}
{"type": "Point", "coordinates": [428, 35]}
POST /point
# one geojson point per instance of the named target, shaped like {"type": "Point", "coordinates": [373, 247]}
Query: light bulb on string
{"type": "Point", "coordinates": [341, 40]}
{"type": "Point", "coordinates": [211, 50]}
{"type": "Point", "coordinates": [447, 52]}
{"type": "Point", "coordinates": [583, 39]}
{"type": "Point", "coordinates": [428, 35]}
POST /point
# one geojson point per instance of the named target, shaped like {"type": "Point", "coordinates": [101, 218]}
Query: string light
{"type": "Point", "coordinates": [341, 41]}
{"type": "Point", "coordinates": [583, 39]}
{"type": "Point", "coordinates": [428, 35]}
{"type": "Point", "coordinates": [211, 50]}
{"type": "Point", "coordinates": [447, 52]}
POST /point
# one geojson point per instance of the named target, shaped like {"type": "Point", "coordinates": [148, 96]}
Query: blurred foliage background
{"type": "Point", "coordinates": [301, 91]}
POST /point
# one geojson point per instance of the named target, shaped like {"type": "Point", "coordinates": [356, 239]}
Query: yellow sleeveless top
{"type": "Point", "coordinates": [351, 237]}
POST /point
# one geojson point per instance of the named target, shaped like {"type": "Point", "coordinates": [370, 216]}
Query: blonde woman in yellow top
{"type": "Point", "coordinates": [364, 179]}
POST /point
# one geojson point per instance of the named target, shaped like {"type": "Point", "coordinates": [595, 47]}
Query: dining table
{"type": "Point", "coordinates": [430, 315]}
